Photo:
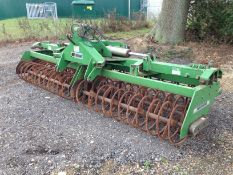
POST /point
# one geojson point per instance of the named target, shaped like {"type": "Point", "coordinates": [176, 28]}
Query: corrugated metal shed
{"type": "Point", "coordinates": [16, 8]}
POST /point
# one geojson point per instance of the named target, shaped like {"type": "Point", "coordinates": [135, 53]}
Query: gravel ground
{"type": "Point", "coordinates": [41, 133]}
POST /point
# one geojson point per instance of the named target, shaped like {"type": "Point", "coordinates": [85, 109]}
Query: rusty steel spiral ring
{"type": "Point", "coordinates": [156, 112]}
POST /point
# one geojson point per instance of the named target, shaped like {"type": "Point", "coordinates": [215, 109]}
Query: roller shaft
{"type": "Point", "coordinates": [156, 112]}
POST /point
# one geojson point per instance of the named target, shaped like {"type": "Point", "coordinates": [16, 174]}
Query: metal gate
{"type": "Point", "coordinates": [42, 10]}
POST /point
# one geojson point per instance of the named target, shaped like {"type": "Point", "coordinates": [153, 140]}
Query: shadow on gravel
{"type": "Point", "coordinates": [213, 139]}
{"type": "Point", "coordinates": [42, 150]}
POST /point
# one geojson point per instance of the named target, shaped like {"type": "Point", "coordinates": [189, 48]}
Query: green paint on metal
{"type": "Point", "coordinates": [150, 83]}
{"type": "Point", "coordinates": [16, 8]}
{"type": "Point", "coordinates": [91, 59]}
{"type": "Point", "coordinates": [79, 74]}
{"type": "Point", "coordinates": [27, 56]}
{"type": "Point", "coordinates": [39, 55]}
{"type": "Point", "coordinates": [201, 101]}
{"type": "Point", "coordinates": [188, 72]}
{"type": "Point", "coordinates": [83, 2]}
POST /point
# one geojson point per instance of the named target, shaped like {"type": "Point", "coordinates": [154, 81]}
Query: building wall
{"type": "Point", "coordinates": [153, 8]}
{"type": "Point", "coordinates": [17, 8]}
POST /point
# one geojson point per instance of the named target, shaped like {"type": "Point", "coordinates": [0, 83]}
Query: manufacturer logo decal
{"type": "Point", "coordinates": [176, 71]}
{"type": "Point", "coordinates": [201, 106]}
{"type": "Point", "coordinates": [77, 53]}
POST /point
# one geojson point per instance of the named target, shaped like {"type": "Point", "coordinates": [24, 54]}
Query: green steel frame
{"type": "Point", "coordinates": [91, 58]}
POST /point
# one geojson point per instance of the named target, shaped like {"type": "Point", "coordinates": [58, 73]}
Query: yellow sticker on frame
{"type": "Point", "coordinates": [89, 7]}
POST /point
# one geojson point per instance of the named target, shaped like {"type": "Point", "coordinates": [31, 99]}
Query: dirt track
{"type": "Point", "coordinates": [41, 133]}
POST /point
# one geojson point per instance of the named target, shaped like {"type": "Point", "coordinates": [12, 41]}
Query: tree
{"type": "Point", "coordinates": [170, 27]}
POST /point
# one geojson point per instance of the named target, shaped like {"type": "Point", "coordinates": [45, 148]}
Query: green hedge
{"type": "Point", "coordinates": [211, 19]}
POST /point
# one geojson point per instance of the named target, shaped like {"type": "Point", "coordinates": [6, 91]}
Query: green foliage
{"type": "Point", "coordinates": [25, 29]}
{"type": "Point", "coordinates": [147, 165]}
{"type": "Point", "coordinates": [114, 23]}
{"type": "Point", "coordinates": [211, 18]}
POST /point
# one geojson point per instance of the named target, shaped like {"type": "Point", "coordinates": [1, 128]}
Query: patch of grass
{"type": "Point", "coordinates": [147, 165]}
{"type": "Point", "coordinates": [129, 34]}
{"type": "Point", "coordinates": [164, 160]}
{"type": "Point", "coordinates": [22, 28]}
{"type": "Point", "coordinates": [25, 29]}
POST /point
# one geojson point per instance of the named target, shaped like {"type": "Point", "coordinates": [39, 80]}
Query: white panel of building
{"type": "Point", "coordinates": [153, 8]}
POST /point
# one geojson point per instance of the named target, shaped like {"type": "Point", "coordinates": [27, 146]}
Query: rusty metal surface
{"type": "Point", "coordinates": [156, 112]}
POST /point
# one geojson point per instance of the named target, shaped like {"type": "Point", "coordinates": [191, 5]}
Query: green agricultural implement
{"type": "Point", "coordinates": [170, 101]}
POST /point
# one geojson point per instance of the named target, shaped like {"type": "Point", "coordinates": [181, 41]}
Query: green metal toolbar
{"type": "Point", "coordinates": [91, 57]}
